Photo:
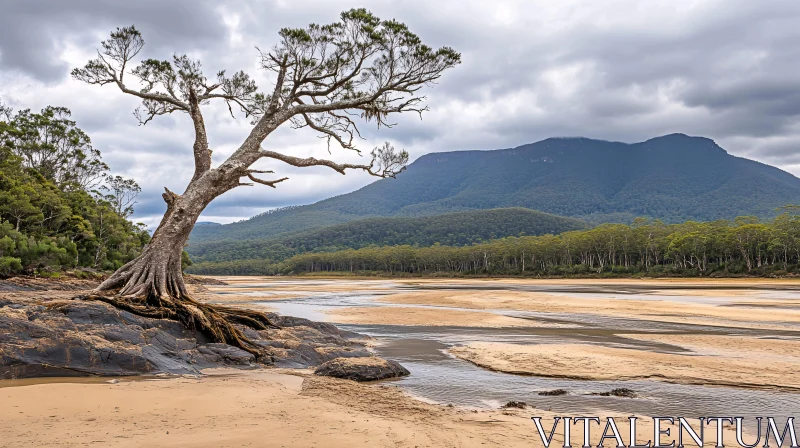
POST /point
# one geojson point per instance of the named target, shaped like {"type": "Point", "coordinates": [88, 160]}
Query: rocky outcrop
{"type": "Point", "coordinates": [621, 392]}
{"type": "Point", "coordinates": [63, 337]}
{"type": "Point", "coordinates": [553, 393]}
{"type": "Point", "coordinates": [515, 405]}
{"type": "Point", "coordinates": [362, 369]}
{"type": "Point", "coordinates": [66, 283]}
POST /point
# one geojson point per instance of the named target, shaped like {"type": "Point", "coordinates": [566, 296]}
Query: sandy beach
{"type": "Point", "coordinates": [235, 409]}
{"type": "Point", "coordinates": [713, 308]}
{"type": "Point", "coordinates": [287, 408]}
{"type": "Point", "coordinates": [260, 409]}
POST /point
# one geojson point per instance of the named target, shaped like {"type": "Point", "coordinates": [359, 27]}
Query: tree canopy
{"type": "Point", "coordinates": [50, 219]}
{"type": "Point", "coordinates": [324, 77]}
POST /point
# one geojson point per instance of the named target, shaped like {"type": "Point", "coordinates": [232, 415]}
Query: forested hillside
{"type": "Point", "coordinates": [458, 229]}
{"type": "Point", "coordinates": [59, 206]}
{"type": "Point", "coordinates": [744, 246]}
{"type": "Point", "coordinates": [673, 178]}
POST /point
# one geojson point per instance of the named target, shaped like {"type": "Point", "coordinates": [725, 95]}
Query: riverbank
{"type": "Point", "coordinates": [62, 332]}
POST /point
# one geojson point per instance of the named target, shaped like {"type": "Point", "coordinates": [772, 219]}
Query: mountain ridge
{"type": "Point", "coordinates": [674, 177]}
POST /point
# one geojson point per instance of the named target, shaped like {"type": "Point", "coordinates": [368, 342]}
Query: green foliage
{"type": "Point", "coordinates": [48, 219]}
{"type": "Point", "coordinates": [9, 266]}
{"type": "Point", "coordinates": [52, 145]}
{"type": "Point", "coordinates": [745, 246]}
{"type": "Point", "coordinates": [186, 261]}
{"type": "Point", "coordinates": [674, 178]}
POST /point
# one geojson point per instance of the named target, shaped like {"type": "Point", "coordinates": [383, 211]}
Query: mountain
{"type": "Point", "coordinates": [451, 229]}
{"type": "Point", "coordinates": [673, 178]}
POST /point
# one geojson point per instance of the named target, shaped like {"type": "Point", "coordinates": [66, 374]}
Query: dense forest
{"type": "Point", "coordinates": [454, 229]}
{"type": "Point", "coordinates": [59, 206]}
{"type": "Point", "coordinates": [744, 246]}
{"type": "Point", "coordinates": [674, 178]}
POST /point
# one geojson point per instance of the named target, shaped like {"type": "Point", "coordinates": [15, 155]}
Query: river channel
{"type": "Point", "coordinates": [441, 378]}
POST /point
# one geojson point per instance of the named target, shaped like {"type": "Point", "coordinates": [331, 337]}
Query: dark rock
{"type": "Point", "coordinates": [621, 392]}
{"type": "Point", "coordinates": [554, 392]}
{"type": "Point", "coordinates": [66, 283]}
{"type": "Point", "coordinates": [223, 353]}
{"type": "Point", "coordinates": [515, 404]}
{"type": "Point", "coordinates": [362, 369]}
{"type": "Point", "coordinates": [80, 338]}
{"type": "Point", "coordinates": [9, 286]}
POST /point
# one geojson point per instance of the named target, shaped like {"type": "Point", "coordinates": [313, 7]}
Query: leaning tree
{"type": "Point", "coordinates": [327, 78]}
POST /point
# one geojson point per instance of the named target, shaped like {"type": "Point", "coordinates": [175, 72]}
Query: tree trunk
{"type": "Point", "coordinates": [156, 273]}
{"type": "Point", "coordinates": [152, 285]}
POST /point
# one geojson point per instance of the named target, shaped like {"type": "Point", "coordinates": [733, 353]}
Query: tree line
{"type": "Point", "coordinates": [60, 208]}
{"type": "Point", "coordinates": [744, 246]}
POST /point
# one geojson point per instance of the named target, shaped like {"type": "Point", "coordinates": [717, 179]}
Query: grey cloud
{"type": "Point", "coordinates": [784, 149]}
{"type": "Point", "coordinates": [33, 32]}
{"type": "Point", "coordinates": [772, 97]}
{"type": "Point", "coordinates": [621, 70]}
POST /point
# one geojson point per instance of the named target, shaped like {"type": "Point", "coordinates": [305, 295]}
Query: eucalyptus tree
{"type": "Point", "coordinates": [327, 78]}
{"type": "Point", "coordinates": [53, 145]}
{"type": "Point", "coordinates": [121, 193]}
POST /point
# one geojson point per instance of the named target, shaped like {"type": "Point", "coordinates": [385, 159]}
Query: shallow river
{"type": "Point", "coordinates": [438, 377]}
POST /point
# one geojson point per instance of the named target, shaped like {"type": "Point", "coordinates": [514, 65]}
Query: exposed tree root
{"type": "Point", "coordinates": [214, 321]}
{"type": "Point", "coordinates": [152, 285]}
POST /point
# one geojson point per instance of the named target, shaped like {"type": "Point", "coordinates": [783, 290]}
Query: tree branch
{"type": "Point", "coordinates": [326, 75]}
{"type": "Point", "coordinates": [385, 162]}
{"type": "Point", "coordinates": [202, 153]}
{"type": "Point", "coordinates": [167, 86]}
{"type": "Point", "coordinates": [276, 93]}
{"type": "Point", "coordinates": [269, 183]}
{"type": "Point", "coordinates": [328, 129]}
{"type": "Point", "coordinates": [310, 161]}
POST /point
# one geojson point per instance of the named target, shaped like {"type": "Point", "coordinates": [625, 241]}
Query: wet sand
{"type": "Point", "coordinates": [667, 308]}
{"type": "Point", "coordinates": [398, 315]}
{"type": "Point", "coordinates": [288, 287]}
{"type": "Point", "coordinates": [697, 306]}
{"type": "Point", "coordinates": [742, 359]}
{"type": "Point", "coordinates": [597, 363]}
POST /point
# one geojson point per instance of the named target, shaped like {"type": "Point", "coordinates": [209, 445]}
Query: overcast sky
{"type": "Point", "coordinates": [621, 70]}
